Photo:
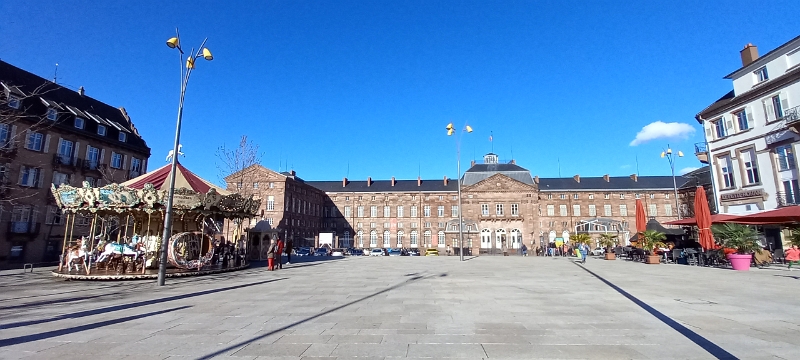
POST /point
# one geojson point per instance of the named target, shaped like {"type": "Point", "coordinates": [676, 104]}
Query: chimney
{"type": "Point", "coordinates": [606, 178]}
{"type": "Point", "coordinates": [635, 177]}
{"type": "Point", "coordinates": [393, 181]}
{"type": "Point", "coordinates": [445, 181]}
{"type": "Point", "coordinates": [344, 182]}
{"type": "Point", "coordinates": [81, 91]}
{"type": "Point", "coordinates": [749, 54]}
{"type": "Point", "coordinates": [577, 178]}
{"type": "Point", "coordinates": [419, 181]}
{"type": "Point", "coordinates": [536, 179]}
{"type": "Point", "coordinates": [369, 181]}
{"type": "Point", "coordinates": [292, 172]}
{"type": "Point", "coordinates": [513, 162]}
{"type": "Point", "coordinates": [472, 163]}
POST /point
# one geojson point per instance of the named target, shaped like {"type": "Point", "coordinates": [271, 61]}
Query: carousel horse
{"type": "Point", "coordinates": [120, 249]}
{"type": "Point", "coordinates": [77, 252]}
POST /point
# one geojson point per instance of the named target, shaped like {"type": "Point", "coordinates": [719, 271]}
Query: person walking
{"type": "Point", "coordinates": [288, 250]}
{"type": "Point", "coordinates": [279, 253]}
{"type": "Point", "coordinates": [271, 255]}
{"type": "Point", "coordinates": [524, 250]}
{"type": "Point", "coordinates": [584, 249]}
{"type": "Point", "coordinates": [792, 256]}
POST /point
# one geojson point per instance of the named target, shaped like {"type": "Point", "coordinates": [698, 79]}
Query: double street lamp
{"type": "Point", "coordinates": [202, 52]}
{"type": "Point", "coordinates": [450, 131]}
{"type": "Point", "coordinates": [671, 157]}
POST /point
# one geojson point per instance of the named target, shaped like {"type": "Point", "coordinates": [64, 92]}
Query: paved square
{"type": "Point", "coordinates": [411, 307]}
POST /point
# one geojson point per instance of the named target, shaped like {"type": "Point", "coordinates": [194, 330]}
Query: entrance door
{"type": "Point", "coordinates": [486, 239]}
{"type": "Point", "coordinates": [500, 238]}
{"type": "Point", "coordinates": [516, 239]}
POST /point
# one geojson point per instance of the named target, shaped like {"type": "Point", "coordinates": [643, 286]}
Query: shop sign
{"type": "Point", "coordinates": [743, 194]}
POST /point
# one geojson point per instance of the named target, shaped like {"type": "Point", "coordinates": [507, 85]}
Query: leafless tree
{"type": "Point", "coordinates": [18, 110]}
{"type": "Point", "coordinates": [235, 165]}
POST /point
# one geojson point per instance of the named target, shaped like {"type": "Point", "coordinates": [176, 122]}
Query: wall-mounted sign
{"type": "Point", "coordinates": [745, 194]}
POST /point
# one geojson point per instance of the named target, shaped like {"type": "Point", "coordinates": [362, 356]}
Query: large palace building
{"type": "Point", "coordinates": [504, 207]}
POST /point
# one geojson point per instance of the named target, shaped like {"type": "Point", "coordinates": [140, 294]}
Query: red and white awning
{"type": "Point", "coordinates": [183, 179]}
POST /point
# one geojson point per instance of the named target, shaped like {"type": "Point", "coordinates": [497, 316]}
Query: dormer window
{"type": "Point", "coordinates": [13, 102]}
{"type": "Point", "coordinates": [101, 130]}
{"type": "Point", "coordinates": [79, 122]}
{"type": "Point", "coordinates": [52, 114]}
{"type": "Point", "coordinates": [761, 74]}
{"type": "Point", "coordinates": [123, 136]}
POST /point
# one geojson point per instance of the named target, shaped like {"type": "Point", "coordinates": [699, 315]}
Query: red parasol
{"type": "Point", "coordinates": [787, 215]}
{"type": "Point", "coordinates": [703, 216]}
{"type": "Point", "coordinates": [641, 220]}
{"type": "Point", "coordinates": [715, 219]}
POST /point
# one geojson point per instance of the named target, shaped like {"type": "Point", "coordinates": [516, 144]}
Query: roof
{"type": "Point", "coordinates": [760, 60]}
{"type": "Point", "coordinates": [653, 224]}
{"type": "Point", "coordinates": [480, 172]}
{"type": "Point", "coordinates": [23, 83]}
{"type": "Point", "coordinates": [613, 183]}
{"type": "Point", "coordinates": [386, 186]}
{"type": "Point", "coordinates": [730, 100]}
{"type": "Point", "coordinates": [184, 179]}
{"type": "Point", "coordinates": [699, 177]}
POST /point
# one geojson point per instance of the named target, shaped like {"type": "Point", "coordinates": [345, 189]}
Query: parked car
{"type": "Point", "coordinates": [337, 252]}
{"type": "Point", "coordinates": [413, 252]}
{"type": "Point", "coordinates": [354, 252]}
{"type": "Point", "coordinates": [395, 252]}
{"type": "Point", "coordinates": [431, 252]}
{"type": "Point", "coordinates": [322, 252]}
{"type": "Point", "coordinates": [598, 251]}
{"type": "Point", "coordinates": [303, 251]}
{"type": "Point", "coordinates": [376, 252]}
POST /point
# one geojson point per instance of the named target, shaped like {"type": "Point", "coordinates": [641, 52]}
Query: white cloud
{"type": "Point", "coordinates": [687, 170]}
{"type": "Point", "coordinates": [660, 129]}
{"type": "Point", "coordinates": [623, 167]}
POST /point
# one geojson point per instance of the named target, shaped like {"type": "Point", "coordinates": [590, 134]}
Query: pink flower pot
{"type": "Point", "coordinates": [740, 262]}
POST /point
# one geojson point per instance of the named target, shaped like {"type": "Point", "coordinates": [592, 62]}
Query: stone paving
{"type": "Point", "coordinates": [411, 307]}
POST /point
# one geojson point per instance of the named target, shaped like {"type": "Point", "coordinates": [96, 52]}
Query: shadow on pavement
{"type": "Point", "coordinates": [107, 309]}
{"type": "Point", "coordinates": [789, 276]}
{"type": "Point", "coordinates": [54, 333]}
{"type": "Point", "coordinates": [704, 343]}
{"type": "Point", "coordinates": [289, 326]}
{"type": "Point", "coordinates": [52, 301]}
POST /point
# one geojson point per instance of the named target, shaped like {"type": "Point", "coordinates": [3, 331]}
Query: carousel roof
{"type": "Point", "coordinates": [183, 179]}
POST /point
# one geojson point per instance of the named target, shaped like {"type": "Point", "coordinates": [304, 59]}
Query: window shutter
{"type": "Point", "coordinates": [35, 214]}
{"type": "Point", "coordinates": [39, 178]}
{"type": "Point", "coordinates": [21, 173]}
{"type": "Point", "coordinates": [709, 133]}
{"type": "Point", "coordinates": [729, 129]}
{"type": "Point", "coordinates": [124, 161]}
{"type": "Point", "coordinates": [12, 139]}
{"type": "Point", "coordinates": [87, 151]}
{"type": "Point", "coordinates": [58, 149]}
{"type": "Point", "coordinates": [750, 120]}
{"type": "Point", "coordinates": [102, 155]}
{"type": "Point", "coordinates": [27, 136]}
{"type": "Point", "coordinates": [784, 104]}
{"type": "Point", "coordinates": [75, 153]}
{"type": "Point", "coordinates": [768, 110]}
{"type": "Point", "coordinates": [47, 143]}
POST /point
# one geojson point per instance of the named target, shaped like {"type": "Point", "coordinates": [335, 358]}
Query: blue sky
{"type": "Point", "coordinates": [323, 84]}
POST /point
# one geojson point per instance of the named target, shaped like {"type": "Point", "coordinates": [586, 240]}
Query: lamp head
{"type": "Point", "coordinates": [449, 126]}
{"type": "Point", "coordinates": [450, 132]}
{"type": "Point", "coordinates": [669, 151]}
{"type": "Point", "coordinates": [190, 63]}
{"type": "Point", "coordinates": [663, 154]}
{"type": "Point", "coordinates": [207, 54]}
{"type": "Point", "coordinates": [469, 129]}
{"type": "Point", "coordinates": [173, 43]}
{"type": "Point", "coordinates": [680, 153]}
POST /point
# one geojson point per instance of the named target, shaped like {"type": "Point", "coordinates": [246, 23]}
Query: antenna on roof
{"type": "Point", "coordinates": [637, 165]}
{"type": "Point", "coordinates": [512, 151]}
{"type": "Point", "coordinates": [55, 75]}
{"type": "Point", "coordinates": [559, 166]}
{"type": "Point", "coordinates": [491, 140]}
{"type": "Point", "coordinates": [348, 169]}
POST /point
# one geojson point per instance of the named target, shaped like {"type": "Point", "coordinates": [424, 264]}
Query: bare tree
{"type": "Point", "coordinates": [18, 113]}
{"type": "Point", "coordinates": [235, 165]}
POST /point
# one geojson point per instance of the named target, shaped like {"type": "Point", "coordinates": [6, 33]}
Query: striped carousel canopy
{"type": "Point", "coordinates": [183, 179]}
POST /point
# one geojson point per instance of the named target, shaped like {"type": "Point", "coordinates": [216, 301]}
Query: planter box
{"type": "Point", "coordinates": [740, 262]}
{"type": "Point", "coordinates": [611, 256]}
{"type": "Point", "coordinates": [653, 259]}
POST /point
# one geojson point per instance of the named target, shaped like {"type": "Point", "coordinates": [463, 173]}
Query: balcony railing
{"type": "Point", "coordinates": [701, 152]}
{"type": "Point", "coordinates": [23, 227]}
{"type": "Point", "coordinates": [60, 159]}
{"type": "Point", "coordinates": [8, 150]}
{"type": "Point", "coordinates": [787, 199]}
{"type": "Point", "coordinates": [89, 164]}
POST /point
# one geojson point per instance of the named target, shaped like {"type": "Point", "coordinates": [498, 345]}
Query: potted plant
{"type": "Point", "coordinates": [580, 239]}
{"type": "Point", "coordinates": [740, 237]}
{"type": "Point", "coordinates": [652, 240]}
{"type": "Point", "coordinates": [608, 241]}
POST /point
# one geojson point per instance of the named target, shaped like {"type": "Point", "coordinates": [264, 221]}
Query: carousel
{"type": "Point", "coordinates": [114, 232]}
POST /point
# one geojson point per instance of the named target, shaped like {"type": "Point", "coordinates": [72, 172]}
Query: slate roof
{"type": "Point", "coordinates": [386, 186]}
{"type": "Point", "coordinates": [699, 177]}
{"type": "Point", "coordinates": [70, 104]}
{"type": "Point", "coordinates": [614, 183]}
{"type": "Point", "coordinates": [480, 172]}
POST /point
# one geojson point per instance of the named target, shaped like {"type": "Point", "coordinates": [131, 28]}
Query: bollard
{"type": "Point", "coordinates": [26, 267]}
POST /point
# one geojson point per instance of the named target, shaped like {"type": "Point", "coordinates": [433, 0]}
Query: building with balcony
{"type": "Point", "coordinates": [752, 133]}
{"type": "Point", "coordinates": [503, 207]}
{"type": "Point", "coordinates": [50, 134]}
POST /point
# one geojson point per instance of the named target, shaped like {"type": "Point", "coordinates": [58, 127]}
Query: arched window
{"type": "Point", "coordinates": [373, 238]}
{"type": "Point", "coordinates": [565, 235]}
{"type": "Point", "coordinates": [500, 238]}
{"type": "Point", "coordinates": [426, 238]}
{"type": "Point", "coordinates": [440, 239]}
{"type": "Point", "coordinates": [387, 239]}
{"type": "Point", "coordinates": [552, 236]}
{"type": "Point", "coordinates": [360, 236]}
{"type": "Point", "coordinates": [486, 239]}
{"type": "Point", "coordinates": [516, 239]}
{"type": "Point", "coordinates": [414, 238]}
{"type": "Point", "coordinates": [400, 238]}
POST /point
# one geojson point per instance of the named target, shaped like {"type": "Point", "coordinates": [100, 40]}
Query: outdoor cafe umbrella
{"type": "Point", "coordinates": [703, 216]}
{"type": "Point", "coordinates": [786, 215]}
{"type": "Point", "coordinates": [715, 219]}
{"type": "Point", "coordinates": [641, 220]}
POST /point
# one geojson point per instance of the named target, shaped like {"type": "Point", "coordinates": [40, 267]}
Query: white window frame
{"type": "Point", "coordinates": [623, 210]}
{"type": "Point", "coordinates": [562, 210]}
{"type": "Point", "coordinates": [453, 210]}
{"type": "Point", "coordinates": [607, 211]}
{"type": "Point", "coordinates": [270, 203]}
{"type": "Point", "coordinates": [399, 211]}
{"type": "Point", "coordinates": [440, 211]}
{"type": "Point", "coordinates": [116, 160]}
{"type": "Point", "coordinates": [786, 159]}
{"type": "Point", "coordinates": [514, 209]}
{"type": "Point", "coordinates": [387, 211]}
{"type": "Point", "coordinates": [499, 210]}
{"type": "Point", "coordinates": [551, 210]}
{"type": "Point", "coordinates": [80, 123]}
{"type": "Point", "coordinates": [413, 211]}
{"type": "Point", "coordinates": [750, 167]}
{"type": "Point", "coordinates": [484, 209]}
{"type": "Point", "coordinates": [14, 102]}
{"type": "Point", "coordinates": [123, 137]}
{"type": "Point", "coordinates": [761, 74]}
{"type": "Point", "coordinates": [576, 210]}
{"type": "Point", "coordinates": [426, 211]}
{"type": "Point", "coordinates": [51, 114]}
{"type": "Point", "coordinates": [35, 141]}
{"type": "Point", "coordinates": [726, 169]}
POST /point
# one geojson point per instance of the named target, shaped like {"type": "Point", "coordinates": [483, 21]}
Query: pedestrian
{"type": "Point", "coordinates": [271, 255]}
{"type": "Point", "coordinates": [288, 250]}
{"type": "Point", "coordinates": [584, 249]}
{"type": "Point", "coordinates": [448, 250]}
{"type": "Point", "coordinates": [792, 256]}
{"type": "Point", "coordinates": [279, 253]}
{"type": "Point", "coordinates": [524, 250]}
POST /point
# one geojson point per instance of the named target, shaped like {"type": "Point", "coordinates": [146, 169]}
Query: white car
{"type": "Point", "coordinates": [376, 252]}
{"type": "Point", "coordinates": [337, 252]}
{"type": "Point", "coordinates": [598, 251]}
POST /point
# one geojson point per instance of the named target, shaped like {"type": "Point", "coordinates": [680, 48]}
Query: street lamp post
{"type": "Point", "coordinates": [175, 43]}
{"type": "Point", "coordinates": [671, 157]}
{"type": "Point", "coordinates": [450, 132]}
